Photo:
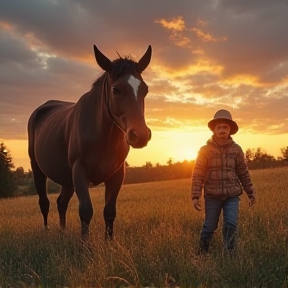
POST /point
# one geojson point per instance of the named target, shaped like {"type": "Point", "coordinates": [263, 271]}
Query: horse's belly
{"type": "Point", "coordinates": [51, 154]}
{"type": "Point", "coordinates": [55, 167]}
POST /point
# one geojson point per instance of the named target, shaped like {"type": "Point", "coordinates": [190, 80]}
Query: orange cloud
{"type": "Point", "coordinates": [202, 65]}
{"type": "Point", "coordinates": [239, 79]}
{"type": "Point", "coordinates": [207, 37]}
{"type": "Point", "coordinates": [176, 24]}
{"type": "Point", "coordinates": [178, 27]}
{"type": "Point", "coordinates": [6, 26]}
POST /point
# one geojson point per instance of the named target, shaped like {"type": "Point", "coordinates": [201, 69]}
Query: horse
{"type": "Point", "coordinates": [76, 144]}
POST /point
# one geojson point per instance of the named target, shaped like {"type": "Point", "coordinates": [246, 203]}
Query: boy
{"type": "Point", "coordinates": [221, 170]}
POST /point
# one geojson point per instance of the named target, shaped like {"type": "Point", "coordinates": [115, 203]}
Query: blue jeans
{"type": "Point", "coordinates": [213, 208]}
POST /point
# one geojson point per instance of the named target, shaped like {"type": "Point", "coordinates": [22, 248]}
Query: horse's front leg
{"type": "Point", "coordinates": [81, 184]}
{"type": "Point", "coordinates": [112, 188]}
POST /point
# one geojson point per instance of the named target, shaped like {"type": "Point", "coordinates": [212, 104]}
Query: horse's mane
{"type": "Point", "coordinates": [120, 67]}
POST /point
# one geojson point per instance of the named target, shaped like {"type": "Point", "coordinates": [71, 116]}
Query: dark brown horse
{"type": "Point", "coordinates": [75, 144]}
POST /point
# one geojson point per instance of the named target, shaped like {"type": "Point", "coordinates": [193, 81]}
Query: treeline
{"type": "Point", "coordinates": [17, 182]}
{"type": "Point", "coordinates": [148, 173]}
{"type": "Point", "coordinates": [260, 159]}
{"type": "Point", "coordinates": [256, 159]}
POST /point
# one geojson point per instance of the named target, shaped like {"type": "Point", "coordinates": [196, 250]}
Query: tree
{"type": "Point", "coordinates": [19, 173]}
{"type": "Point", "coordinates": [249, 155]}
{"type": "Point", "coordinates": [259, 158]}
{"type": "Point", "coordinates": [284, 152]}
{"type": "Point", "coordinates": [259, 154]}
{"type": "Point", "coordinates": [170, 161]}
{"type": "Point", "coordinates": [148, 165]}
{"type": "Point", "coordinates": [20, 177]}
{"type": "Point", "coordinates": [7, 180]}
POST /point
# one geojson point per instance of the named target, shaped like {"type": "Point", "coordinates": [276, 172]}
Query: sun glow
{"type": "Point", "coordinates": [186, 154]}
{"type": "Point", "coordinates": [178, 145]}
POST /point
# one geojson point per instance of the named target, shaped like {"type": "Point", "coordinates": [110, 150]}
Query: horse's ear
{"type": "Point", "coordinates": [145, 60]}
{"type": "Point", "coordinates": [102, 60]}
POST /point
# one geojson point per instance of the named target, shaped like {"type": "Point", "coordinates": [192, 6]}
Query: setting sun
{"type": "Point", "coordinates": [187, 154]}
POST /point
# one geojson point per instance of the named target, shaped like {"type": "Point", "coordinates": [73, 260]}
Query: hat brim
{"type": "Point", "coordinates": [233, 125]}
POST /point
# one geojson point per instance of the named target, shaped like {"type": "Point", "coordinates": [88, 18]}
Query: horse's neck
{"type": "Point", "coordinates": [92, 114]}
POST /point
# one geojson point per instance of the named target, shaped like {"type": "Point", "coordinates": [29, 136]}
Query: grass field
{"type": "Point", "coordinates": [156, 232]}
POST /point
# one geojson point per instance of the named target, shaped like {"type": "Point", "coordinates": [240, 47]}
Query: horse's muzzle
{"type": "Point", "coordinates": [138, 139]}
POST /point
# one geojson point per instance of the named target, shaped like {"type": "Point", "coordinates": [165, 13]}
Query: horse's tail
{"type": "Point", "coordinates": [33, 119]}
{"type": "Point", "coordinates": [31, 134]}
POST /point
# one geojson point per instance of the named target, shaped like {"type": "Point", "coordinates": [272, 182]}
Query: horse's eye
{"type": "Point", "coordinates": [115, 91]}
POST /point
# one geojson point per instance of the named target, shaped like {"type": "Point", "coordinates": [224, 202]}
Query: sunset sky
{"type": "Point", "coordinates": [207, 55]}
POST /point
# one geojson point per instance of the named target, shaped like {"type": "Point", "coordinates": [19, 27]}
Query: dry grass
{"type": "Point", "coordinates": [156, 233]}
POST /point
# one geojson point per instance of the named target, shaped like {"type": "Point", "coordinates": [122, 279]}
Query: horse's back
{"type": "Point", "coordinates": [44, 110]}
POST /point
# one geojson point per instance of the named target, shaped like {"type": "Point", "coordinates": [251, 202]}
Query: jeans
{"type": "Point", "coordinates": [213, 208]}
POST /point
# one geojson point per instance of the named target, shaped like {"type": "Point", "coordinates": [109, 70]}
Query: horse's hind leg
{"type": "Point", "coordinates": [62, 204]}
{"type": "Point", "coordinates": [40, 185]}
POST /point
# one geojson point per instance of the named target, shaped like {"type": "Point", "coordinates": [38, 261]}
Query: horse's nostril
{"type": "Point", "coordinates": [132, 136]}
{"type": "Point", "coordinates": [137, 140]}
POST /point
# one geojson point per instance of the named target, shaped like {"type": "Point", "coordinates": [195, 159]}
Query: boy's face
{"type": "Point", "coordinates": [222, 130]}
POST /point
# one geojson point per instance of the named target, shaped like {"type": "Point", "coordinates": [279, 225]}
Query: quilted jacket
{"type": "Point", "coordinates": [221, 170]}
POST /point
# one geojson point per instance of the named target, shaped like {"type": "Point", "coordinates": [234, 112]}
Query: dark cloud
{"type": "Point", "coordinates": [207, 55]}
{"type": "Point", "coordinates": [256, 40]}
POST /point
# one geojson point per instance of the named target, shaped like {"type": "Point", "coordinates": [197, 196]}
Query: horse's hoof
{"type": "Point", "coordinates": [85, 237]}
{"type": "Point", "coordinates": [85, 234]}
{"type": "Point", "coordinates": [61, 230]}
{"type": "Point", "coordinates": [109, 236]}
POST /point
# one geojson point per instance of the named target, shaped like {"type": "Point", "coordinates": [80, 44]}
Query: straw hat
{"type": "Point", "coordinates": [223, 116]}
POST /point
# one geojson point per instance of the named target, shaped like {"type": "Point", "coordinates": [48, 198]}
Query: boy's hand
{"type": "Point", "coordinates": [252, 200]}
{"type": "Point", "coordinates": [197, 204]}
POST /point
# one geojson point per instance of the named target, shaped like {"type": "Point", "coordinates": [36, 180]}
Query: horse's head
{"type": "Point", "coordinates": [125, 94]}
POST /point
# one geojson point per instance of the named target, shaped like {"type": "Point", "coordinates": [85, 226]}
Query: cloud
{"type": "Point", "coordinates": [206, 55]}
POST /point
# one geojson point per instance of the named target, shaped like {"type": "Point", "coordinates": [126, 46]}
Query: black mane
{"type": "Point", "coordinates": [120, 67]}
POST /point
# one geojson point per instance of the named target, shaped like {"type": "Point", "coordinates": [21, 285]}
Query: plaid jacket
{"type": "Point", "coordinates": [221, 170]}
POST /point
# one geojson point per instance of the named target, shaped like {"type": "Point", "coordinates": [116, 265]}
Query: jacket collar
{"type": "Point", "coordinates": [213, 141]}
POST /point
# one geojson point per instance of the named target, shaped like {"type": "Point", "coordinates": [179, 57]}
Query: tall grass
{"type": "Point", "coordinates": [156, 232]}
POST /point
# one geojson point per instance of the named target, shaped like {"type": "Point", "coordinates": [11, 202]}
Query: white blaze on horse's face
{"type": "Point", "coordinates": [134, 82]}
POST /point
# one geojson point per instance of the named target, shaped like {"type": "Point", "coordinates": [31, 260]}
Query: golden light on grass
{"type": "Point", "coordinates": [156, 234]}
